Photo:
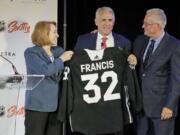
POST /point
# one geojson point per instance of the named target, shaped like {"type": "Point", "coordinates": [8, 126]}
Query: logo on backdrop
{"type": "Point", "coordinates": [14, 111]}
{"type": "Point", "coordinates": [2, 110]}
{"type": "Point", "coordinates": [37, 1]}
{"type": "Point", "coordinates": [2, 25]}
{"type": "Point", "coordinates": [29, 0]}
{"type": "Point", "coordinates": [7, 54]}
{"type": "Point", "coordinates": [15, 26]}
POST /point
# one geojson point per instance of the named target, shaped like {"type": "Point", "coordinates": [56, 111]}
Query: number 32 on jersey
{"type": "Point", "coordinates": [92, 86]}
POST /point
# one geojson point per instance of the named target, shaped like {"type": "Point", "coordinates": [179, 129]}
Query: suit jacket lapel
{"type": "Point", "coordinates": [142, 51]}
{"type": "Point", "coordinates": [158, 50]}
{"type": "Point", "coordinates": [41, 50]}
{"type": "Point", "coordinates": [93, 42]}
{"type": "Point", "coordinates": [116, 41]}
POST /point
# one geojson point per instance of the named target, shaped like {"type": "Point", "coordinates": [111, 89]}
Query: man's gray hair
{"type": "Point", "coordinates": [159, 16]}
{"type": "Point", "coordinates": [100, 10]}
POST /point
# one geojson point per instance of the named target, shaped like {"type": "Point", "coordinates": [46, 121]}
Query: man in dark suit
{"type": "Point", "coordinates": [159, 75]}
{"type": "Point", "coordinates": [104, 20]}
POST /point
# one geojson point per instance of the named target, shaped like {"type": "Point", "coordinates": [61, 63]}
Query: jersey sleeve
{"type": "Point", "coordinates": [133, 89]}
{"type": "Point", "coordinates": [66, 97]}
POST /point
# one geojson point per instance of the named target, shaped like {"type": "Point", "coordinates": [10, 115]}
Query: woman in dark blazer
{"type": "Point", "coordinates": [47, 59]}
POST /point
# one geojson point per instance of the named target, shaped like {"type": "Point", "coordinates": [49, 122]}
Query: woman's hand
{"type": "Point", "coordinates": [66, 56]}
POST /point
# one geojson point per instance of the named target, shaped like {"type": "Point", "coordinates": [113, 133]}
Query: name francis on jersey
{"type": "Point", "coordinates": [102, 65]}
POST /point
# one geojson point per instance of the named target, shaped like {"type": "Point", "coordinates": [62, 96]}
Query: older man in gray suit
{"type": "Point", "coordinates": [158, 54]}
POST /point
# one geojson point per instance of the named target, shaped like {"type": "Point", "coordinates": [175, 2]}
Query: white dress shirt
{"type": "Point", "coordinates": [109, 41]}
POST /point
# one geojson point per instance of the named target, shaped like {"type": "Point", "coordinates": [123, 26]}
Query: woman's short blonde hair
{"type": "Point", "coordinates": [40, 35]}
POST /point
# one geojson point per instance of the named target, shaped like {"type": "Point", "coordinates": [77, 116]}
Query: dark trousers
{"type": "Point", "coordinates": [154, 126]}
{"type": "Point", "coordinates": [69, 132]}
{"type": "Point", "coordinates": [42, 123]}
{"type": "Point", "coordinates": [117, 133]}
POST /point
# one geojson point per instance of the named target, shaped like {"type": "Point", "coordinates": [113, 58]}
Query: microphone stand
{"type": "Point", "coordinates": [15, 79]}
{"type": "Point", "coordinates": [13, 66]}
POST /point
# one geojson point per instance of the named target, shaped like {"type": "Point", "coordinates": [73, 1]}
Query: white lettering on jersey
{"type": "Point", "coordinates": [109, 95]}
{"type": "Point", "coordinates": [66, 72]}
{"type": "Point", "coordinates": [97, 66]}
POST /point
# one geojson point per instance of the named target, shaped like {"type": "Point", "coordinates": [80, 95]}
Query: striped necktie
{"type": "Point", "coordinates": [103, 44]}
{"type": "Point", "coordinates": [149, 52]}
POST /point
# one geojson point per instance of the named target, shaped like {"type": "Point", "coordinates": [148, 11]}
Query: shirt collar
{"type": "Point", "coordinates": [157, 40]}
{"type": "Point", "coordinates": [108, 36]}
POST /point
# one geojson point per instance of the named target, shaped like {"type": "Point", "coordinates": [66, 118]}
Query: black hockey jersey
{"type": "Point", "coordinates": [95, 87]}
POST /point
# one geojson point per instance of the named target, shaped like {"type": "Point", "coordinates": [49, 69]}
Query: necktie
{"type": "Point", "coordinates": [103, 44]}
{"type": "Point", "coordinates": [149, 52]}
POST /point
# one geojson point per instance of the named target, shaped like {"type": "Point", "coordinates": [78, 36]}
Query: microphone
{"type": "Point", "coordinates": [14, 79]}
{"type": "Point", "coordinates": [13, 66]}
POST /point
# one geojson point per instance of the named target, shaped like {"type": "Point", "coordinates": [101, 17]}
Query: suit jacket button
{"type": "Point", "coordinates": [143, 75]}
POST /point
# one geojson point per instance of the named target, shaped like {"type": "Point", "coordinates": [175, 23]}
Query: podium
{"type": "Point", "coordinates": [12, 94]}
{"type": "Point", "coordinates": [29, 82]}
